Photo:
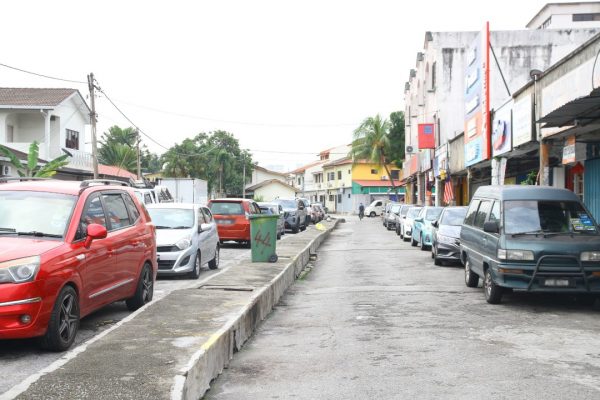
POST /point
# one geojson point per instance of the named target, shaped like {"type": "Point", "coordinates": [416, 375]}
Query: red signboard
{"type": "Point", "coordinates": [426, 136]}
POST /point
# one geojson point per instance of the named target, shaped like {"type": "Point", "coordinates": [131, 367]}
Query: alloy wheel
{"type": "Point", "coordinates": [148, 286]}
{"type": "Point", "coordinates": [68, 318]}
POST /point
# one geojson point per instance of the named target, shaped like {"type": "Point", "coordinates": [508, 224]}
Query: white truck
{"type": "Point", "coordinates": [186, 190]}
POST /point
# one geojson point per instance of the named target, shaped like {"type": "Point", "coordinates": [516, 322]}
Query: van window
{"type": "Point", "coordinates": [472, 212]}
{"type": "Point", "coordinates": [495, 213]}
{"type": "Point", "coordinates": [482, 213]}
{"type": "Point", "coordinates": [532, 216]}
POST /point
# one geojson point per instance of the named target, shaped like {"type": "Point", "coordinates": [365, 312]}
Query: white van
{"type": "Point", "coordinates": [376, 208]}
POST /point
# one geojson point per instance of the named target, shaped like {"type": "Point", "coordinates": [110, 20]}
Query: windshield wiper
{"type": "Point", "coordinates": [39, 234]}
{"type": "Point", "coordinates": [162, 227]}
{"type": "Point", "coordinates": [540, 232]}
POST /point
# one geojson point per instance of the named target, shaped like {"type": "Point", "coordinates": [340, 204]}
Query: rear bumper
{"type": "Point", "coordinates": [234, 232]}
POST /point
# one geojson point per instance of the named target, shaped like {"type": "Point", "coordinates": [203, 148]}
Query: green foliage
{"type": "Point", "coordinates": [31, 167]}
{"type": "Point", "coordinates": [396, 136]}
{"type": "Point", "coordinates": [215, 157]}
{"type": "Point", "coordinates": [258, 199]}
{"type": "Point", "coordinates": [531, 178]}
{"type": "Point", "coordinates": [118, 147]}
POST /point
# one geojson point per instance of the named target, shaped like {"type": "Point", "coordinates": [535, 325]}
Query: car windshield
{"type": "Point", "coordinates": [287, 203]}
{"type": "Point", "coordinates": [226, 208]}
{"type": "Point", "coordinates": [266, 210]}
{"type": "Point", "coordinates": [37, 213]}
{"type": "Point", "coordinates": [413, 212]}
{"type": "Point", "coordinates": [454, 216]}
{"type": "Point", "coordinates": [172, 218]}
{"type": "Point", "coordinates": [396, 208]}
{"type": "Point", "coordinates": [533, 216]}
{"type": "Point", "coordinates": [433, 213]}
{"type": "Point", "coordinates": [404, 211]}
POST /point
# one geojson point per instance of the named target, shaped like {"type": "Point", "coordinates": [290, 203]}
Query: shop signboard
{"type": "Point", "coordinates": [426, 136]}
{"type": "Point", "coordinates": [425, 160]}
{"type": "Point", "coordinates": [477, 99]}
{"type": "Point", "coordinates": [573, 151]}
{"type": "Point", "coordinates": [522, 117]}
{"type": "Point", "coordinates": [440, 162]}
{"type": "Point", "coordinates": [502, 130]}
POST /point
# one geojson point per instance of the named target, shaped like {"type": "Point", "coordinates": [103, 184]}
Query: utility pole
{"type": "Point", "coordinates": [93, 118]}
{"type": "Point", "coordinates": [139, 164]}
{"type": "Point", "coordinates": [244, 176]}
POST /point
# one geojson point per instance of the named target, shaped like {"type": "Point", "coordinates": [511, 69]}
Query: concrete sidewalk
{"type": "Point", "coordinates": [176, 346]}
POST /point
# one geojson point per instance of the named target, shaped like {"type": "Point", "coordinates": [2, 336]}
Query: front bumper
{"type": "Point", "coordinates": [176, 262]}
{"type": "Point", "coordinates": [21, 299]}
{"type": "Point", "coordinates": [447, 251]}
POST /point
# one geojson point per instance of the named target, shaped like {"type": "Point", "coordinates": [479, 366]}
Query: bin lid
{"type": "Point", "coordinates": [259, 216]}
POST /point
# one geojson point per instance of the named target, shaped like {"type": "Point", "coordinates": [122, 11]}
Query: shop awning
{"type": "Point", "coordinates": [579, 112]}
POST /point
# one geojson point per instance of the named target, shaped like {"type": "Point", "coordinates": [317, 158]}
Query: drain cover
{"type": "Point", "coordinates": [228, 288]}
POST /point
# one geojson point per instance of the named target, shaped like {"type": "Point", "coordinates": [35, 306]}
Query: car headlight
{"type": "Point", "coordinates": [590, 256]}
{"type": "Point", "coordinates": [184, 243]}
{"type": "Point", "coordinates": [525, 255]}
{"type": "Point", "coordinates": [445, 239]}
{"type": "Point", "coordinates": [20, 270]}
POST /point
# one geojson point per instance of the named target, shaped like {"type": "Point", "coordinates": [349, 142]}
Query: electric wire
{"type": "Point", "coordinates": [42, 75]}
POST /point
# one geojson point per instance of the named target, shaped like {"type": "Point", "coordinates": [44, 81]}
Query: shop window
{"type": "Point", "coordinates": [374, 172]}
{"type": "Point", "coordinates": [339, 198]}
{"type": "Point", "coordinates": [339, 175]}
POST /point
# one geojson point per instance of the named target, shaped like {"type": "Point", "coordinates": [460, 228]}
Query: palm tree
{"type": "Point", "coordinates": [32, 169]}
{"type": "Point", "coordinates": [118, 155]}
{"type": "Point", "coordinates": [371, 142]}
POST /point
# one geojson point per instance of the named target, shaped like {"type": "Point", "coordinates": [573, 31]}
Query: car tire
{"type": "Point", "coordinates": [279, 236]}
{"type": "Point", "coordinates": [303, 228]}
{"type": "Point", "coordinates": [471, 278]}
{"type": "Point", "coordinates": [432, 252]}
{"type": "Point", "coordinates": [372, 214]}
{"type": "Point", "coordinates": [144, 290]}
{"type": "Point", "coordinates": [248, 244]}
{"type": "Point", "coordinates": [493, 293]}
{"type": "Point", "coordinates": [195, 273]}
{"type": "Point", "coordinates": [423, 245]}
{"type": "Point", "coordinates": [65, 310]}
{"type": "Point", "coordinates": [214, 263]}
{"type": "Point", "coordinates": [296, 229]}
{"type": "Point", "coordinates": [413, 242]}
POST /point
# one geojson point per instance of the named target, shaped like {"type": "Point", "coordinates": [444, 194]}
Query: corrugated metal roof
{"type": "Point", "coordinates": [33, 97]}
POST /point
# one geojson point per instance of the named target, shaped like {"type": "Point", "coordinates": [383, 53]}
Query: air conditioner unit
{"type": "Point", "coordinates": [6, 170]}
{"type": "Point", "coordinates": [410, 150]}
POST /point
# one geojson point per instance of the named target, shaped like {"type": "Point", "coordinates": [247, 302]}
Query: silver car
{"type": "Point", "coordinates": [274, 209]}
{"type": "Point", "coordinates": [186, 238]}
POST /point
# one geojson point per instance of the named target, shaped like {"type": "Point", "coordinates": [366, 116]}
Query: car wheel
{"type": "Point", "coordinates": [372, 214]}
{"type": "Point", "coordinates": [295, 229]}
{"type": "Point", "coordinates": [413, 242]}
{"type": "Point", "coordinates": [144, 291]}
{"type": "Point", "coordinates": [214, 263]}
{"type": "Point", "coordinates": [432, 252]}
{"type": "Point", "coordinates": [493, 293]}
{"type": "Point", "coordinates": [423, 245]}
{"type": "Point", "coordinates": [64, 321]}
{"type": "Point", "coordinates": [471, 278]}
{"type": "Point", "coordinates": [195, 273]}
{"type": "Point", "coordinates": [248, 244]}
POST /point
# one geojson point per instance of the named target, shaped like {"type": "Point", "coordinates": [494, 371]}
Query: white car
{"type": "Point", "coordinates": [407, 224]}
{"type": "Point", "coordinates": [375, 208]}
{"type": "Point", "coordinates": [186, 238]}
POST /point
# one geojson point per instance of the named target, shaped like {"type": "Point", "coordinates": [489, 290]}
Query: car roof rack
{"type": "Point", "coordinates": [21, 179]}
{"type": "Point", "coordinates": [97, 182]}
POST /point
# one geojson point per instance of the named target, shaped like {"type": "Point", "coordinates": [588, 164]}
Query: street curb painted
{"type": "Point", "coordinates": [208, 362]}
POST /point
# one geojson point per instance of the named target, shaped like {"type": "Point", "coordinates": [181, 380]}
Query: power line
{"type": "Point", "coordinates": [42, 75]}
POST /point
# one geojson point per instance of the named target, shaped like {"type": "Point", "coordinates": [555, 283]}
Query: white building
{"type": "Point", "coordinates": [55, 118]}
{"type": "Point", "coordinates": [574, 15]}
{"type": "Point", "coordinates": [270, 190]}
{"type": "Point", "coordinates": [261, 174]}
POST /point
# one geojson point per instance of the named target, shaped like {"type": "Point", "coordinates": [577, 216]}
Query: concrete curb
{"type": "Point", "coordinates": [207, 363]}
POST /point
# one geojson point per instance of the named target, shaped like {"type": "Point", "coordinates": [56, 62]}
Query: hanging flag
{"type": "Point", "coordinates": [426, 136]}
{"type": "Point", "coordinates": [448, 192]}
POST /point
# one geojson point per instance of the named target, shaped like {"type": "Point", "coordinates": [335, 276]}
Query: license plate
{"type": "Point", "coordinates": [224, 222]}
{"type": "Point", "coordinates": [557, 282]}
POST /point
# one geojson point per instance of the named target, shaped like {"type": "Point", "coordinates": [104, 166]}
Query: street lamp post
{"type": "Point", "coordinates": [535, 74]}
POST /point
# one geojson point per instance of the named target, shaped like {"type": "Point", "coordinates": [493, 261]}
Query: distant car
{"type": "Point", "coordinates": [233, 218]}
{"type": "Point", "coordinates": [66, 250]}
{"type": "Point", "coordinates": [186, 237]}
{"type": "Point", "coordinates": [422, 228]}
{"type": "Point", "coordinates": [294, 214]}
{"type": "Point", "coordinates": [318, 211]}
{"type": "Point", "coordinates": [399, 218]}
{"type": "Point", "coordinates": [445, 243]}
{"type": "Point", "coordinates": [274, 209]}
{"type": "Point", "coordinates": [375, 208]}
{"type": "Point", "coordinates": [308, 211]}
{"type": "Point", "coordinates": [407, 223]}
{"type": "Point", "coordinates": [389, 218]}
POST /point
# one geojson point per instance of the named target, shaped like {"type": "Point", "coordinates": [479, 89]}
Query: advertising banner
{"type": "Point", "coordinates": [477, 99]}
{"type": "Point", "coordinates": [522, 121]}
{"type": "Point", "coordinates": [426, 136]}
{"type": "Point", "coordinates": [502, 130]}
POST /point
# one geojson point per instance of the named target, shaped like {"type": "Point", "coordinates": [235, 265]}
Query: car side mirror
{"type": "Point", "coordinates": [435, 224]}
{"type": "Point", "coordinates": [94, 232]}
{"type": "Point", "coordinates": [419, 219]}
{"type": "Point", "coordinates": [204, 227]}
{"type": "Point", "coordinates": [491, 227]}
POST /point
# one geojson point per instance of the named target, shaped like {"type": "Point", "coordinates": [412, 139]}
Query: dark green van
{"type": "Point", "coordinates": [530, 238]}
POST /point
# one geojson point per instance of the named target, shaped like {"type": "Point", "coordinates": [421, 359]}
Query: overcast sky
{"type": "Point", "coordinates": [283, 76]}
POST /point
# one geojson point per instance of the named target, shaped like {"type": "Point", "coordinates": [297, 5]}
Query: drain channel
{"type": "Point", "coordinates": [228, 288]}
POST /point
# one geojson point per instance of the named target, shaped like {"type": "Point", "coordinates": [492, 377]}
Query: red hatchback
{"type": "Point", "coordinates": [67, 249]}
{"type": "Point", "coordinates": [232, 219]}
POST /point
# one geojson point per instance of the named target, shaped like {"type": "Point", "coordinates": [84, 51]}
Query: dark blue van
{"type": "Point", "coordinates": [530, 238]}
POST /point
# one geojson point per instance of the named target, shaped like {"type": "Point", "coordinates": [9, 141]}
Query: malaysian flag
{"type": "Point", "coordinates": [448, 192]}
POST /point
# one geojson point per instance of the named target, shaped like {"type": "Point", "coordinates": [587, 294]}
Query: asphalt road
{"type": "Point", "coordinates": [22, 358]}
{"type": "Point", "coordinates": [376, 319]}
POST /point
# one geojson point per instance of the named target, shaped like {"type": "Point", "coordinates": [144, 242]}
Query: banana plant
{"type": "Point", "coordinates": [31, 168]}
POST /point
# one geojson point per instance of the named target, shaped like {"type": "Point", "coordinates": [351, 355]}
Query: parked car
{"type": "Point", "coordinates": [422, 228]}
{"type": "Point", "coordinates": [407, 223]}
{"type": "Point", "coordinates": [320, 210]}
{"type": "Point", "coordinates": [186, 237]}
{"type": "Point", "coordinates": [66, 250]}
{"type": "Point", "coordinates": [274, 209]}
{"type": "Point", "coordinates": [308, 211]}
{"type": "Point", "coordinates": [385, 212]}
{"type": "Point", "coordinates": [446, 235]}
{"type": "Point", "coordinates": [232, 218]}
{"type": "Point", "coordinates": [375, 208]}
{"type": "Point", "coordinates": [399, 218]}
{"type": "Point", "coordinates": [390, 216]}
{"type": "Point", "coordinates": [530, 238]}
{"type": "Point", "coordinates": [294, 214]}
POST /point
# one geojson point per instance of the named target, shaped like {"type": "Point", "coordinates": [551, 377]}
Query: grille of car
{"type": "Point", "coordinates": [166, 264]}
{"type": "Point", "coordinates": [167, 249]}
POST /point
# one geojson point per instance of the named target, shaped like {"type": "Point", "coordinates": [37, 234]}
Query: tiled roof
{"type": "Point", "coordinates": [307, 166]}
{"type": "Point", "coordinates": [268, 182]}
{"type": "Point", "coordinates": [376, 183]}
{"type": "Point", "coordinates": [30, 97]}
{"type": "Point", "coordinates": [115, 171]}
{"type": "Point", "coordinates": [340, 161]}
{"type": "Point", "coordinates": [258, 167]}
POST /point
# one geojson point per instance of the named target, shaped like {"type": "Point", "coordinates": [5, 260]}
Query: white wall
{"type": "Point", "coordinates": [274, 190]}
{"type": "Point", "coordinates": [561, 16]}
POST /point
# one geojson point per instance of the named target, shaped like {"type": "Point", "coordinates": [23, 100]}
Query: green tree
{"type": "Point", "coordinates": [32, 168]}
{"type": "Point", "coordinates": [118, 147]}
{"type": "Point", "coordinates": [396, 136]}
{"type": "Point", "coordinates": [118, 155]}
{"type": "Point", "coordinates": [371, 142]}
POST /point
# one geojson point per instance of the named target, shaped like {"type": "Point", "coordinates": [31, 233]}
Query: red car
{"type": "Point", "coordinates": [67, 249]}
{"type": "Point", "coordinates": [232, 219]}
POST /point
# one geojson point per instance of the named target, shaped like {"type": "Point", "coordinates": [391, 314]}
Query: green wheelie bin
{"type": "Point", "coordinates": [263, 237]}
